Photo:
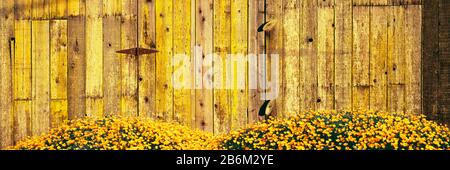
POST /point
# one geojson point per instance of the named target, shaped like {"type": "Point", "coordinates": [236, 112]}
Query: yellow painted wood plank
{"type": "Point", "coordinates": [360, 58]}
{"type": "Point", "coordinates": [76, 73]}
{"type": "Point", "coordinates": [74, 8]}
{"type": "Point", "coordinates": [396, 59]}
{"type": "Point", "coordinates": [222, 47]}
{"type": "Point", "coordinates": [204, 39]}
{"type": "Point", "coordinates": [164, 68]}
{"type": "Point", "coordinates": [22, 80]}
{"type": "Point", "coordinates": [58, 72]}
{"type": "Point", "coordinates": [378, 58]}
{"type": "Point", "coordinates": [182, 45]}
{"type": "Point", "coordinates": [239, 70]}
{"type": "Point", "coordinates": [290, 96]}
{"type": "Point", "coordinates": [129, 65]}
{"type": "Point", "coordinates": [23, 9]}
{"type": "Point", "coordinates": [325, 55]}
{"type": "Point", "coordinates": [94, 59]}
{"type": "Point", "coordinates": [256, 47]}
{"type": "Point", "coordinates": [308, 55]}
{"type": "Point", "coordinates": [112, 10]}
{"type": "Point", "coordinates": [343, 54]}
{"type": "Point", "coordinates": [6, 71]}
{"type": "Point", "coordinates": [147, 63]}
{"type": "Point", "coordinates": [58, 8]}
{"type": "Point", "coordinates": [40, 116]}
{"type": "Point", "coordinates": [40, 9]}
{"type": "Point", "coordinates": [413, 47]}
{"type": "Point", "coordinates": [192, 71]}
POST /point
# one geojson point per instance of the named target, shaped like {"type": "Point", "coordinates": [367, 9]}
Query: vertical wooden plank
{"type": "Point", "coordinates": [6, 72]}
{"type": "Point", "coordinates": [58, 72]}
{"type": "Point", "coordinates": [164, 68]}
{"type": "Point", "coordinates": [74, 7]}
{"type": "Point", "coordinates": [40, 55]}
{"type": "Point", "coordinates": [112, 11]}
{"type": "Point", "coordinates": [413, 50]}
{"type": "Point", "coordinates": [291, 54]}
{"type": "Point", "coordinates": [325, 55]}
{"type": "Point", "coordinates": [360, 57]}
{"type": "Point", "coordinates": [396, 59]}
{"type": "Point", "coordinates": [222, 47]}
{"type": "Point", "coordinates": [193, 63]}
{"type": "Point", "coordinates": [41, 9]}
{"type": "Point", "coordinates": [204, 39]}
{"type": "Point", "coordinates": [129, 98]}
{"type": "Point", "coordinates": [378, 57]}
{"type": "Point", "coordinates": [430, 59]}
{"type": "Point", "coordinates": [23, 9]}
{"type": "Point", "coordinates": [182, 45]}
{"type": "Point", "coordinates": [308, 55]}
{"type": "Point", "coordinates": [444, 58]}
{"type": "Point", "coordinates": [22, 80]}
{"type": "Point", "coordinates": [239, 43]}
{"type": "Point", "coordinates": [94, 58]}
{"type": "Point", "coordinates": [343, 54]}
{"type": "Point", "coordinates": [274, 45]}
{"type": "Point", "coordinates": [76, 59]}
{"type": "Point", "coordinates": [147, 86]}
{"type": "Point", "coordinates": [256, 47]}
{"type": "Point", "coordinates": [58, 9]}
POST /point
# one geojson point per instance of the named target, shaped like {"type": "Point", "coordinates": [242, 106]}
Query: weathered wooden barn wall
{"type": "Point", "coordinates": [436, 60]}
{"type": "Point", "coordinates": [59, 60]}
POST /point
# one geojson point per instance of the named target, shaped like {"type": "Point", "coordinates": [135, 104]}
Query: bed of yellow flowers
{"type": "Point", "coordinates": [331, 130]}
{"type": "Point", "coordinates": [118, 134]}
{"type": "Point", "coordinates": [314, 130]}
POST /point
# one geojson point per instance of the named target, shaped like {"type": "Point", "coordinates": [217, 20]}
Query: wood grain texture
{"type": "Point", "coordinates": [58, 72]}
{"type": "Point", "coordinates": [256, 41]}
{"type": "Point", "coordinates": [112, 11]}
{"type": "Point", "coordinates": [76, 72]}
{"type": "Point", "coordinates": [94, 58]}
{"type": "Point", "coordinates": [147, 63]}
{"type": "Point", "coordinates": [182, 45]}
{"type": "Point", "coordinates": [6, 72]}
{"type": "Point", "coordinates": [164, 68]}
{"type": "Point", "coordinates": [22, 81]}
{"type": "Point", "coordinates": [430, 59]}
{"type": "Point", "coordinates": [291, 40]}
{"type": "Point", "coordinates": [274, 46]}
{"type": "Point", "coordinates": [325, 55]}
{"type": "Point", "coordinates": [129, 63]}
{"type": "Point", "coordinates": [239, 70]}
{"type": "Point", "coordinates": [40, 9]}
{"type": "Point", "coordinates": [204, 39]}
{"type": "Point", "coordinates": [308, 55]}
{"type": "Point", "coordinates": [396, 59]}
{"type": "Point", "coordinates": [360, 58]}
{"type": "Point", "coordinates": [444, 57]}
{"type": "Point", "coordinates": [413, 46]}
{"type": "Point", "coordinates": [378, 58]}
{"type": "Point", "coordinates": [222, 47]}
{"type": "Point", "coordinates": [40, 56]}
{"type": "Point", "coordinates": [23, 9]}
{"type": "Point", "coordinates": [58, 8]}
{"type": "Point", "coordinates": [343, 54]}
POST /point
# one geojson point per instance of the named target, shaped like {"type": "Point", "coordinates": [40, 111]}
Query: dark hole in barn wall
{"type": "Point", "coordinates": [436, 60]}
